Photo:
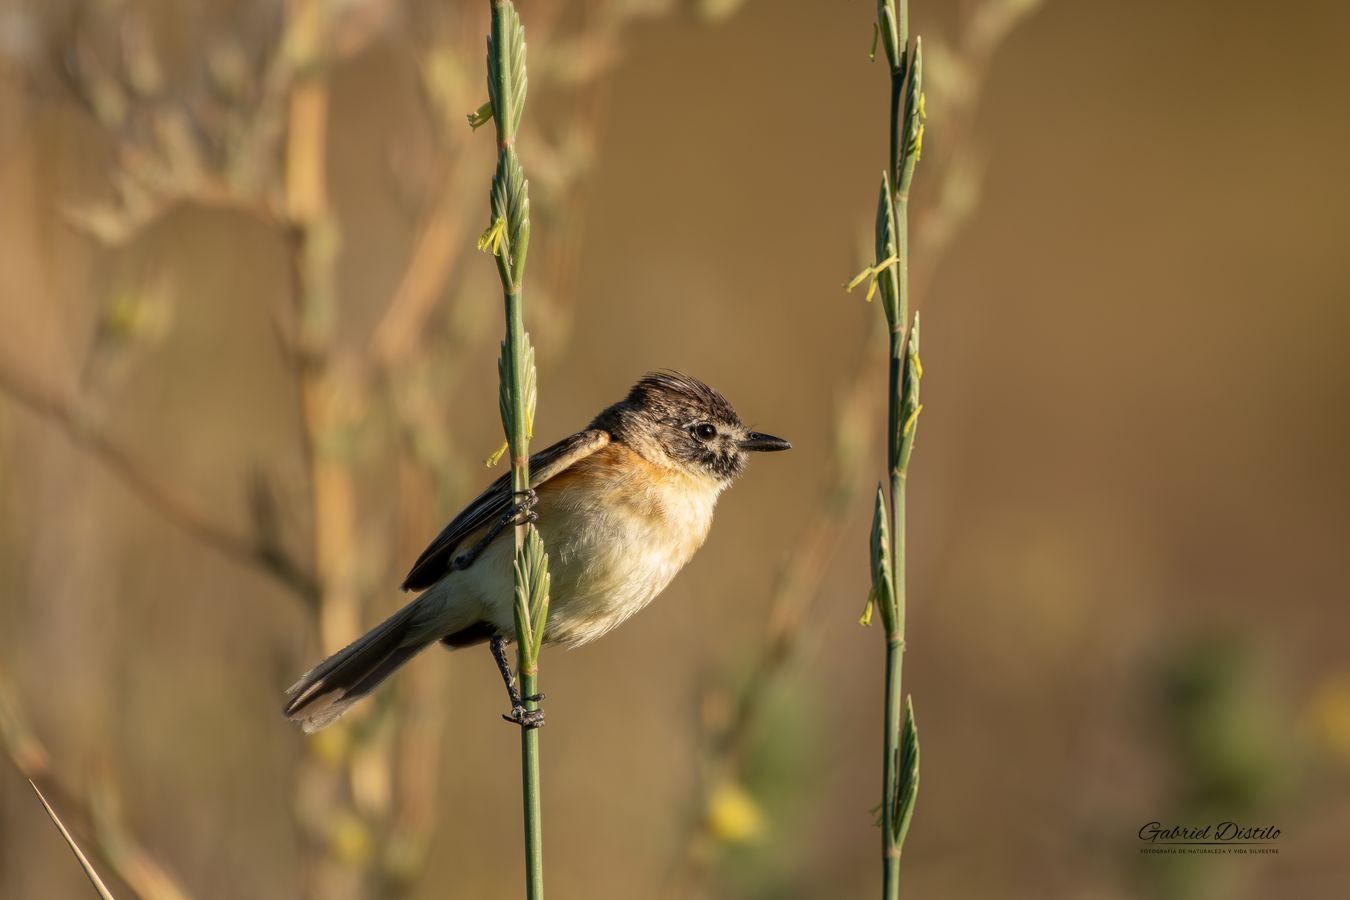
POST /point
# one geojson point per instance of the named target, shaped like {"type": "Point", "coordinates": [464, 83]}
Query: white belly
{"type": "Point", "coordinates": [612, 547]}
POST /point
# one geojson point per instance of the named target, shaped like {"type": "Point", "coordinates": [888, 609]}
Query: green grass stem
{"type": "Point", "coordinates": [900, 765]}
{"type": "Point", "coordinates": [508, 238]}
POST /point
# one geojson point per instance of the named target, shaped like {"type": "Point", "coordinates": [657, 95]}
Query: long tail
{"type": "Point", "coordinates": [325, 691]}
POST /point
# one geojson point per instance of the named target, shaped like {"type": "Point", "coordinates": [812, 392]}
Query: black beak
{"type": "Point", "coordinates": [763, 442]}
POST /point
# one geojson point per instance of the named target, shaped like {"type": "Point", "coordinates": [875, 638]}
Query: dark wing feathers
{"type": "Point", "coordinates": [490, 505]}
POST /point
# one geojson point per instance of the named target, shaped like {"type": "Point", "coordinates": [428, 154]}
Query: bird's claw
{"type": "Point", "coordinates": [522, 511]}
{"type": "Point", "coordinates": [525, 718]}
{"type": "Point", "coordinates": [519, 715]}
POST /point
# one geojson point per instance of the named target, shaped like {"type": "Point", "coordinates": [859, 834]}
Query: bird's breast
{"type": "Point", "coordinates": [617, 530]}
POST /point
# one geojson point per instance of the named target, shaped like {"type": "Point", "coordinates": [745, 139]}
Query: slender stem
{"type": "Point", "coordinates": [529, 774]}
{"type": "Point", "coordinates": [89, 871]}
{"type": "Point", "coordinates": [526, 667]}
{"type": "Point", "coordinates": [890, 850]}
{"type": "Point", "coordinates": [895, 639]}
{"type": "Point", "coordinates": [510, 211]}
{"type": "Point", "coordinates": [797, 586]}
{"type": "Point", "coordinates": [895, 644]}
{"type": "Point", "coordinates": [132, 863]}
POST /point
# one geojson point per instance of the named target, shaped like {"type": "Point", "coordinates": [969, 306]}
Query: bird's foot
{"type": "Point", "coordinates": [522, 511]}
{"type": "Point", "coordinates": [519, 715]}
{"type": "Point", "coordinates": [526, 718]}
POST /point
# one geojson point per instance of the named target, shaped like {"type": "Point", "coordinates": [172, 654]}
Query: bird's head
{"type": "Point", "coordinates": [680, 422]}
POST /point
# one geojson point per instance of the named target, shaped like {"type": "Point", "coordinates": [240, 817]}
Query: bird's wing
{"type": "Point", "coordinates": [488, 506]}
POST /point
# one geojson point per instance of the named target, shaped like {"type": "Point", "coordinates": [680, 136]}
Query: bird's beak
{"type": "Point", "coordinates": [763, 442]}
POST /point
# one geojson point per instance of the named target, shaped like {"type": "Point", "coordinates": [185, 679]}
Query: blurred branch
{"type": "Point", "coordinates": [265, 556]}
{"type": "Point", "coordinates": [167, 149]}
{"type": "Point", "coordinates": [89, 871]}
{"type": "Point", "coordinates": [959, 74]}
{"type": "Point", "coordinates": [132, 864]}
{"type": "Point", "coordinates": [434, 252]}
{"type": "Point", "coordinates": [336, 838]}
{"type": "Point", "coordinates": [250, 133]}
{"type": "Point", "coordinates": [314, 252]}
{"type": "Point", "coordinates": [214, 144]}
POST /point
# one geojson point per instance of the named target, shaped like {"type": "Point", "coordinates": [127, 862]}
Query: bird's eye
{"type": "Point", "coordinates": [704, 432]}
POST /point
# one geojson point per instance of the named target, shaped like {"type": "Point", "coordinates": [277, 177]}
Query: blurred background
{"type": "Point", "coordinates": [247, 370]}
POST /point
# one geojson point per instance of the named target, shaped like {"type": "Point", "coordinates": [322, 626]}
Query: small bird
{"type": "Point", "coordinates": [621, 507]}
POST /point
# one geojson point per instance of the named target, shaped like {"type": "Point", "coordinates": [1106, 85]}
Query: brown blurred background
{"type": "Point", "coordinates": [1129, 505]}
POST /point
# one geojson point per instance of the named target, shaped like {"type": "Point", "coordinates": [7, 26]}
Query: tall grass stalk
{"type": "Point", "coordinates": [89, 871]}
{"type": "Point", "coordinates": [508, 237]}
{"type": "Point", "coordinates": [890, 273]}
{"type": "Point", "coordinates": [734, 713]}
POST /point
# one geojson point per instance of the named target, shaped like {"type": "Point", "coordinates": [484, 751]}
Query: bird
{"type": "Point", "coordinates": [621, 506]}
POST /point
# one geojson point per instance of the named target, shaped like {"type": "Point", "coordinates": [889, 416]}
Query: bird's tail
{"type": "Point", "coordinates": [327, 690]}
